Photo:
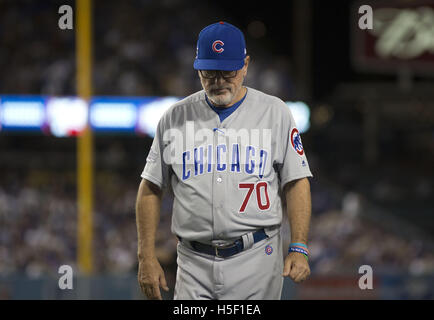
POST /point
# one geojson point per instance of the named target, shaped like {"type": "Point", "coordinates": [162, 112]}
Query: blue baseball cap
{"type": "Point", "coordinates": [221, 46]}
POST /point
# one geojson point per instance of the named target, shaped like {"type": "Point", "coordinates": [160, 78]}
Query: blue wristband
{"type": "Point", "coordinates": [299, 250]}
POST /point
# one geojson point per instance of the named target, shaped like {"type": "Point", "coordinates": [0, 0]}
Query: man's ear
{"type": "Point", "coordinates": [246, 64]}
{"type": "Point", "coordinates": [247, 61]}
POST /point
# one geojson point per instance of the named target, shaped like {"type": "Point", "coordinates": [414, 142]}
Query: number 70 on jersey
{"type": "Point", "coordinates": [261, 189]}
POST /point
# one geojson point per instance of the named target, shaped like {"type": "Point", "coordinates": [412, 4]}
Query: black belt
{"type": "Point", "coordinates": [224, 251]}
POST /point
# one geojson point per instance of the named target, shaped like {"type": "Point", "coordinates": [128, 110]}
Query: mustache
{"type": "Point", "coordinates": [216, 88]}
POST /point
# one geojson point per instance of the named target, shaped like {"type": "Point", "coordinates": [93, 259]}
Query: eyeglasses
{"type": "Point", "coordinates": [212, 74]}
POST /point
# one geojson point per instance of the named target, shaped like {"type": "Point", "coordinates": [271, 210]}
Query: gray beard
{"type": "Point", "coordinates": [221, 100]}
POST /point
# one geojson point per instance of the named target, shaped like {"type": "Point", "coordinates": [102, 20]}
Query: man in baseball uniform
{"type": "Point", "coordinates": [233, 157]}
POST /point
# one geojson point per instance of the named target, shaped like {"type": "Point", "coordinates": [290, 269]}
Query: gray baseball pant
{"type": "Point", "coordinates": [253, 274]}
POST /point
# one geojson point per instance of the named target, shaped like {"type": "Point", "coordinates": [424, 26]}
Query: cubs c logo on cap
{"type": "Point", "coordinates": [218, 43]}
{"type": "Point", "coordinates": [296, 141]}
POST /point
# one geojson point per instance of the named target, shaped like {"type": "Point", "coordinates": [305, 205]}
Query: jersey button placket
{"type": "Point", "coordinates": [218, 191]}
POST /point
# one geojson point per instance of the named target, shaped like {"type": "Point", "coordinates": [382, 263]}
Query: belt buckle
{"type": "Point", "coordinates": [217, 252]}
{"type": "Point", "coordinates": [221, 246]}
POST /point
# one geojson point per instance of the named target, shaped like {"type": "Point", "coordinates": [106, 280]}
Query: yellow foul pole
{"type": "Point", "coordinates": [84, 141]}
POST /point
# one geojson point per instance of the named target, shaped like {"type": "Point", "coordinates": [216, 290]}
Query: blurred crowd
{"type": "Point", "coordinates": [344, 236]}
{"type": "Point", "coordinates": [140, 48]}
{"type": "Point", "coordinates": [38, 223]}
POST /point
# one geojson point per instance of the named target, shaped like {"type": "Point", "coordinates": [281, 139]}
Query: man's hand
{"type": "Point", "coordinates": [151, 278]}
{"type": "Point", "coordinates": [296, 267]}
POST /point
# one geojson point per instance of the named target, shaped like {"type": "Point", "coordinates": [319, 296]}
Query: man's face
{"type": "Point", "coordinates": [224, 92]}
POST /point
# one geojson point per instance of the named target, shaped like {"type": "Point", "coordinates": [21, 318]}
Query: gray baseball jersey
{"type": "Point", "coordinates": [226, 176]}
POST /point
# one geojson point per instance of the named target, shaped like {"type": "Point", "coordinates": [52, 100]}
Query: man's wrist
{"type": "Point", "coordinates": [146, 254]}
{"type": "Point", "coordinates": [302, 254]}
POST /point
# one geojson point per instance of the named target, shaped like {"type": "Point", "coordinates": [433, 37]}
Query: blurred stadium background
{"type": "Point", "coordinates": [365, 99]}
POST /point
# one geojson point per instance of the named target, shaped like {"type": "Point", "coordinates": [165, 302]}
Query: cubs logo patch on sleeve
{"type": "Point", "coordinates": [296, 141]}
